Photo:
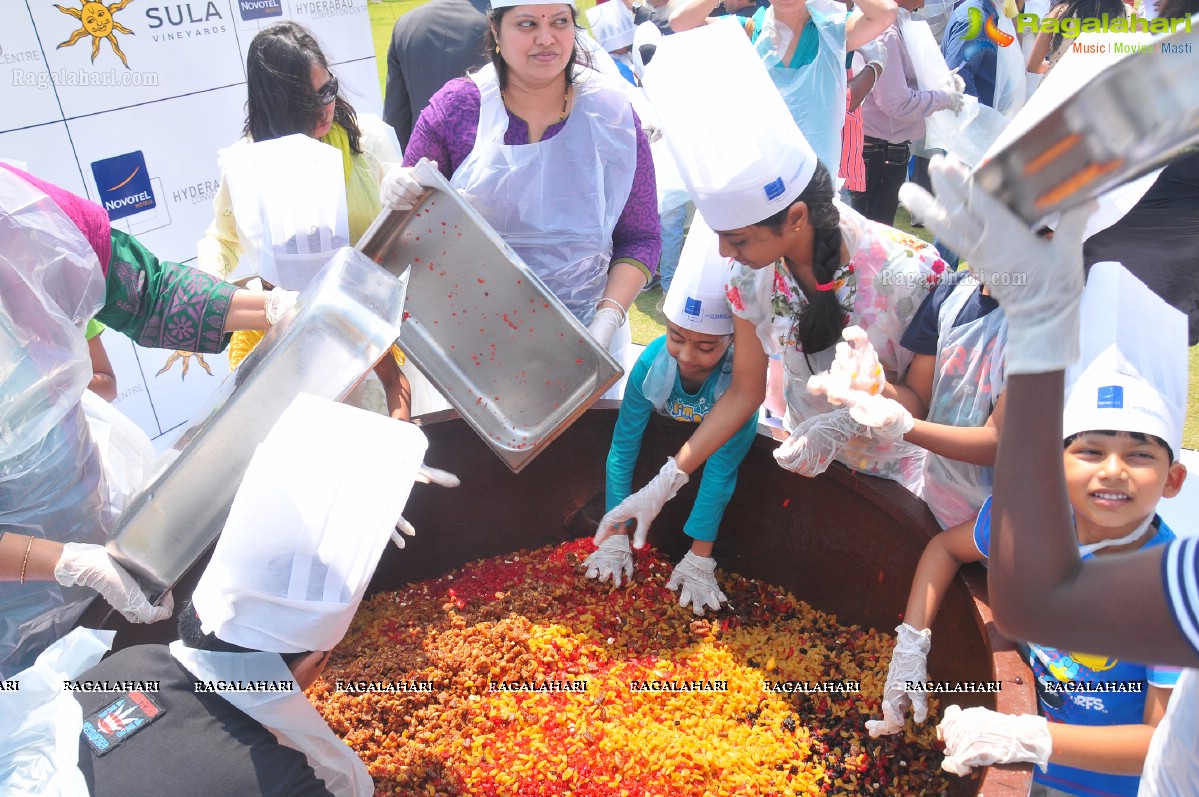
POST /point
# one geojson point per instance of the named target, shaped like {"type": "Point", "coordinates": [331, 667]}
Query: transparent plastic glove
{"type": "Point", "coordinates": [695, 580]}
{"type": "Point", "coordinates": [442, 478]}
{"type": "Point", "coordinates": [979, 737]}
{"type": "Point", "coordinates": [86, 565]}
{"type": "Point", "coordinates": [404, 526]}
{"type": "Point", "coordinates": [424, 475]}
{"type": "Point", "coordinates": [955, 92]}
{"type": "Point", "coordinates": [886, 418]}
{"type": "Point", "coordinates": [400, 190]}
{"type": "Point", "coordinates": [855, 370]}
{"type": "Point", "coordinates": [874, 51]}
{"type": "Point", "coordinates": [909, 662]}
{"type": "Point", "coordinates": [815, 443]}
{"type": "Point", "coordinates": [277, 304]}
{"type": "Point", "coordinates": [644, 505]}
{"type": "Point", "coordinates": [607, 320]}
{"type": "Point", "coordinates": [1037, 281]}
{"type": "Point", "coordinates": [613, 559]}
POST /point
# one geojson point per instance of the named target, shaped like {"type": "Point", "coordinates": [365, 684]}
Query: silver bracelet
{"type": "Point", "coordinates": [624, 314]}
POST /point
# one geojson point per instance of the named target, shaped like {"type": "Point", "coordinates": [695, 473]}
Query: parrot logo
{"type": "Point", "coordinates": [977, 26]}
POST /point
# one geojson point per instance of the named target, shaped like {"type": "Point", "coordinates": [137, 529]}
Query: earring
{"type": "Point", "coordinates": [497, 49]}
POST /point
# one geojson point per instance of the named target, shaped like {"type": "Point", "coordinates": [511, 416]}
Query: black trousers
{"type": "Point", "coordinates": [886, 171]}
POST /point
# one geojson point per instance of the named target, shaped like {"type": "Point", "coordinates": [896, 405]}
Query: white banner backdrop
{"type": "Point", "coordinates": [127, 103]}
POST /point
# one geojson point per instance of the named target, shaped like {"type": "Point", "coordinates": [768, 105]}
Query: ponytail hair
{"type": "Point", "coordinates": [823, 320]}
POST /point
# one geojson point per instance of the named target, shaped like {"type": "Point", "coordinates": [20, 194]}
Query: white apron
{"type": "Point", "coordinates": [814, 93]}
{"type": "Point", "coordinates": [556, 202]}
{"type": "Point", "coordinates": [288, 715]}
{"type": "Point", "coordinates": [968, 380]}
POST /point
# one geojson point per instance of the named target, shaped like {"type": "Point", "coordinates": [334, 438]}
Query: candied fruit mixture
{"type": "Point", "coordinates": [518, 676]}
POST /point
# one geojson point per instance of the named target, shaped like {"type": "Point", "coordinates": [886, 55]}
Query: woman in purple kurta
{"type": "Point", "coordinates": [551, 154]}
{"type": "Point", "coordinates": [445, 133]}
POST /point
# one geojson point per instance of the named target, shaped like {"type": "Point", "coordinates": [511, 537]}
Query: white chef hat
{"type": "Point", "coordinates": [510, 3]}
{"type": "Point", "coordinates": [697, 300]}
{"type": "Point", "coordinates": [612, 24]}
{"type": "Point", "coordinates": [307, 527]}
{"type": "Point", "coordinates": [1132, 374]}
{"type": "Point", "coordinates": [737, 146]}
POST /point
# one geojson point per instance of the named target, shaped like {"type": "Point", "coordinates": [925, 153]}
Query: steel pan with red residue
{"type": "Point", "coordinates": [480, 325]}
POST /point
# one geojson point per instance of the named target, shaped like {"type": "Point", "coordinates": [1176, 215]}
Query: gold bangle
{"type": "Point", "coordinates": [25, 563]}
{"type": "Point", "coordinates": [624, 314]}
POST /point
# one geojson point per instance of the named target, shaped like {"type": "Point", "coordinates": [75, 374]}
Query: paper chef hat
{"type": "Point", "coordinates": [1132, 374]}
{"type": "Point", "coordinates": [510, 3]}
{"type": "Point", "coordinates": [307, 527]}
{"type": "Point", "coordinates": [738, 148]}
{"type": "Point", "coordinates": [697, 299]}
{"type": "Point", "coordinates": [613, 26]}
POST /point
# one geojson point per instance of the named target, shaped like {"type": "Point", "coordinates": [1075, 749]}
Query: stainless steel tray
{"type": "Point", "coordinates": [502, 349]}
{"type": "Point", "coordinates": [340, 326]}
{"type": "Point", "coordinates": [1126, 121]}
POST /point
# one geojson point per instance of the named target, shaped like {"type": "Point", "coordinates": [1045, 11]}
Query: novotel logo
{"type": "Point", "coordinates": [124, 184]}
{"type": "Point", "coordinates": [259, 9]}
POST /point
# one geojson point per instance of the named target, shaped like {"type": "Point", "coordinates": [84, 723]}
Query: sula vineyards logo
{"type": "Point", "coordinates": [97, 22]}
{"type": "Point", "coordinates": [989, 27]}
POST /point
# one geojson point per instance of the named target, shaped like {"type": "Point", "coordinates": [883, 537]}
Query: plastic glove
{"type": "Point", "coordinates": [855, 372]}
{"type": "Point", "coordinates": [644, 505]}
{"type": "Point", "coordinates": [909, 662]}
{"type": "Point", "coordinates": [278, 302]}
{"type": "Point", "coordinates": [955, 93]}
{"type": "Point", "coordinates": [695, 582]}
{"type": "Point", "coordinates": [442, 478]}
{"type": "Point", "coordinates": [815, 443]}
{"type": "Point", "coordinates": [424, 475]}
{"type": "Point", "coordinates": [607, 320]}
{"type": "Point", "coordinates": [86, 565]}
{"type": "Point", "coordinates": [613, 558]}
{"type": "Point", "coordinates": [1037, 281]}
{"type": "Point", "coordinates": [874, 51]}
{"type": "Point", "coordinates": [400, 190]}
{"type": "Point", "coordinates": [404, 526]}
{"type": "Point", "coordinates": [885, 418]}
{"type": "Point", "coordinates": [979, 737]}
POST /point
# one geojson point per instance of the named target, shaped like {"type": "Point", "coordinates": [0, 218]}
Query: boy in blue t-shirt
{"type": "Point", "coordinates": [680, 375]}
{"type": "Point", "coordinates": [1099, 712]}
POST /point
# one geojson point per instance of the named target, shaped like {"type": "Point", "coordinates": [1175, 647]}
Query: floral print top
{"type": "Point", "coordinates": [880, 289]}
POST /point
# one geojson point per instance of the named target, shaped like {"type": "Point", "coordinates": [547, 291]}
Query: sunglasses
{"type": "Point", "coordinates": [327, 93]}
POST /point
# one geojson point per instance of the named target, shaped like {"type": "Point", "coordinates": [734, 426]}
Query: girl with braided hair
{"type": "Point", "coordinates": [804, 275]}
{"type": "Point", "coordinates": [799, 269]}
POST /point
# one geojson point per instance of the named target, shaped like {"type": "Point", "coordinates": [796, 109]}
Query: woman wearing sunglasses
{"type": "Point", "coordinates": [291, 90]}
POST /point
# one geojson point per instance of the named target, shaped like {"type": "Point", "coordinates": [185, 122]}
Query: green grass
{"type": "Point", "coordinates": [646, 320]}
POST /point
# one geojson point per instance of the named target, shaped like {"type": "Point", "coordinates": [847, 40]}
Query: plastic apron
{"type": "Point", "coordinates": [39, 741]}
{"type": "Point", "coordinates": [815, 92]}
{"type": "Point", "coordinates": [51, 477]}
{"type": "Point", "coordinates": [556, 202]}
{"type": "Point", "coordinates": [289, 199]}
{"type": "Point", "coordinates": [288, 715]}
{"type": "Point", "coordinates": [896, 460]}
{"type": "Point", "coordinates": [968, 380]}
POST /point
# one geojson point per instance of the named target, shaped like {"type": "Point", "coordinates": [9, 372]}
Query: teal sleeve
{"type": "Point", "coordinates": [718, 482]}
{"type": "Point", "coordinates": [635, 411]}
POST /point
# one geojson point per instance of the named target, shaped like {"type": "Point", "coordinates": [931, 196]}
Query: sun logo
{"type": "Point", "coordinates": [98, 23]}
{"type": "Point", "coordinates": [185, 357]}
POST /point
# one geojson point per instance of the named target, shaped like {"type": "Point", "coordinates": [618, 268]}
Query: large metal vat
{"type": "Point", "coordinates": [847, 544]}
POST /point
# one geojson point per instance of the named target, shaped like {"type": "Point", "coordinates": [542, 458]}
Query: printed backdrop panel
{"type": "Point", "coordinates": [29, 97]}
{"type": "Point", "coordinates": [46, 151]}
{"type": "Point", "coordinates": [127, 103]}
